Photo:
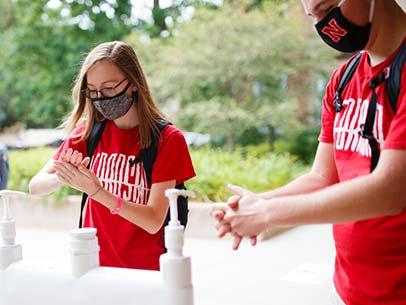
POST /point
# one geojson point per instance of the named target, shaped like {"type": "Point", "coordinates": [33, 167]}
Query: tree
{"type": "Point", "coordinates": [236, 63]}
{"type": "Point", "coordinates": [42, 51]}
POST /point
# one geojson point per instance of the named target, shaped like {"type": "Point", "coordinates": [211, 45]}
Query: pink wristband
{"type": "Point", "coordinates": [118, 206]}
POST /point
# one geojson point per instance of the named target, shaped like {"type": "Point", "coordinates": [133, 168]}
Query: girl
{"type": "Point", "coordinates": [127, 212]}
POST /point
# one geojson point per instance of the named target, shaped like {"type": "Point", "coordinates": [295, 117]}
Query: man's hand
{"type": "Point", "coordinates": [248, 218]}
{"type": "Point", "coordinates": [223, 227]}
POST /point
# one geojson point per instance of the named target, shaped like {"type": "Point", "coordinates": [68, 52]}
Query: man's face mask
{"type": "Point", "coordinates": [116, 106]}
{"type": "Point", "coordinates": [341, 34]}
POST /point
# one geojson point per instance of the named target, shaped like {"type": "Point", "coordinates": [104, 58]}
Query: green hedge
{"type": "Point", "coordinates": [252, 167]}
{"type": "Point", "coordinates": [249, 168]}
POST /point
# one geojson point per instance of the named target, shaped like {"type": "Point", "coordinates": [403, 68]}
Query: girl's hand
{"type": "Point", "coordinates": [79, 178]}
{"type": "Point", "coordinates": [74, 157]}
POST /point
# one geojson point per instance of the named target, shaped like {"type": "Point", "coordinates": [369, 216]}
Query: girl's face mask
{"type": "Point", "coordinates": [341, 34]}
{"type": "Point", "coordinates": [116, 106]}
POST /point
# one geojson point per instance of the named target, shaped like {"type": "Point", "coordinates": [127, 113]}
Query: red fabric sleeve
{"type": "Point", "coordinates": [173, 161]}
{"type": "Point", "coordinates": [71, 142]}
{"type": "Point", "coordinates": [396, 138]}
{"type": "Point", "coordinates": [328, 110]}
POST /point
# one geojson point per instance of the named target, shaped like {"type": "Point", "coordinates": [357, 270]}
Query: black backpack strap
{"type": "Point", "coordinates": [345, 78]}
{"type": "Point", "coordinates": [393, 83]}
{"type": "Point", "coordinates": [367, 128]}
{"type": "Point", "coordinates": [92, 142]}
{"type": "Point", "coordinates": [392, 76]}
{"type": "Point", "coordinates": [148, 157]}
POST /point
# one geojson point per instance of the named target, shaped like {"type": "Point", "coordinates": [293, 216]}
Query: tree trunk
{"type": "Point", "coordinates": [158, 15]}
{"type": "Point", "coordinates": [231, 142]}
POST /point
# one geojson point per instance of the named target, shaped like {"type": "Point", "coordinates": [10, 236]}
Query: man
{"type": "Point", "coordinates": [358, 179]}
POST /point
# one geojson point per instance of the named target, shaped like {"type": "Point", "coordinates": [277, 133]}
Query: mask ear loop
{"type": "Point", "coordinates": [371, 10]}
{"type": "Point", "coordinates": [340, 3]}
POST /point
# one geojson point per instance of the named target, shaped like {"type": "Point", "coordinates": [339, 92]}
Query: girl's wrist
{"type": "Point", "coordinates": [97, 190]}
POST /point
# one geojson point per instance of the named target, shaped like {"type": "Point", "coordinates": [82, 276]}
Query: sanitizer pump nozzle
{"type": "Point", "coordinates": [9, 251]}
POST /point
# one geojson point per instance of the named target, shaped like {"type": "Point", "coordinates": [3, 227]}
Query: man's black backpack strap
{"type": "Point", "coordinates": [393, 84]}
{"type": "Point", "coordinates": [148, 157]}
{"type": "Point", "coordinates": [392, 76]}
{"type": "Point", "coordinates": [92, 142]}
{"type": "Point", "coordinates": [367, 128]}
{"type": "Point", "coordinates": [345, 78]}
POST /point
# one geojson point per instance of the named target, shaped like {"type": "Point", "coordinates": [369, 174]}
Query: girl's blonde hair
{"type": "Point", "coordinates": [124, 57]}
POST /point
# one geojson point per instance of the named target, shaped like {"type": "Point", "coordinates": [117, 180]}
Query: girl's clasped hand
{"type": "Point", "coordinates": [71, 169]}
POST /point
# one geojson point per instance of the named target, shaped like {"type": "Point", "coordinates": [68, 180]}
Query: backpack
{"type": "Point", "coordinates": [4, 167]}
{"type": "Point", "coordinates": [392, 76]}
{"type": "Point", "coordinates": [147, 157]}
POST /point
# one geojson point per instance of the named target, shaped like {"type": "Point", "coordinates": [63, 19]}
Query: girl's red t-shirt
{"type": "Point", "coordinates": [122, 243]}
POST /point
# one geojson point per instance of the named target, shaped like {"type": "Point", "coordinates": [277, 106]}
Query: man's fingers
{"type": "Point", "coordinates": [232, 202]}
{"type": "Point", "coordinates": [253, 240]}
{"type": "Point", "coordinates": [222, 223]}
{"type": "Point", "coordinates": [224, 229]}
{"type": "Point", "coordinates": [237, 190]}
{"type": "Point", "coordinates": [218, 207]}
{"type": "Point", "coordinates": [218, 215]}
{"type": "Point", "coordinates": [236, 242]}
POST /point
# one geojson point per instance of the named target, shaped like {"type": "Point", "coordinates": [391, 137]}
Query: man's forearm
{"type": "Point", "coordinates": [361, 198]}
{"type": "Point", "coordinates": [304, 184]}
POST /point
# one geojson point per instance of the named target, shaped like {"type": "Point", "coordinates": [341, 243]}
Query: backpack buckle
{"type": "Point", "coordinates": [338, 105]}
{"type": "Point", "coordinates": [386, 72]}
{"type": "Point", "coordinates": [362, 133]}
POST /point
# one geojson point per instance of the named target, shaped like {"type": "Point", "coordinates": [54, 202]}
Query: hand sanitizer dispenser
{"type": "Point", "coordinates": [9, 251]}
{"type": "Point", "coordinates": [175, 267]}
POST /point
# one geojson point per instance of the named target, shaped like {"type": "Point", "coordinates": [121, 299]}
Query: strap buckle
{"type": "Point", "coordinates": [362, 133]}
{"type": "Point", "coordinates": [380, 78]}
{"type": "Point", "coordinates": [338, 104]}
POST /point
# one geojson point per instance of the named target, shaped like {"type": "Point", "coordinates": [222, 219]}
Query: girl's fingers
{"type": "Point", "coordinates": [68, 155]}
{"type": "Point", "coordinates": [85, 162]}
{"type": "Point", "coordinates": [62, 168]}
{"type": "Point", "coordinates": [63, 178]}
{"type": "Point", "coordinates": [73, 158]}
{"type": "Point", "coordinates": [85, 171]}
{"type": "Point", "coordinates": [62, 156]}
{"type": "Point", "coordinates": [78, 159]}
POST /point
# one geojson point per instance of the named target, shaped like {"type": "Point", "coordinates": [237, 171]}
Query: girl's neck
{"type": "Point", "coordinates": [129, 120]}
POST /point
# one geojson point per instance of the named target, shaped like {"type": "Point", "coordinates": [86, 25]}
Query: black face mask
{"type": "Point", "coordinates": [341, 34]}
